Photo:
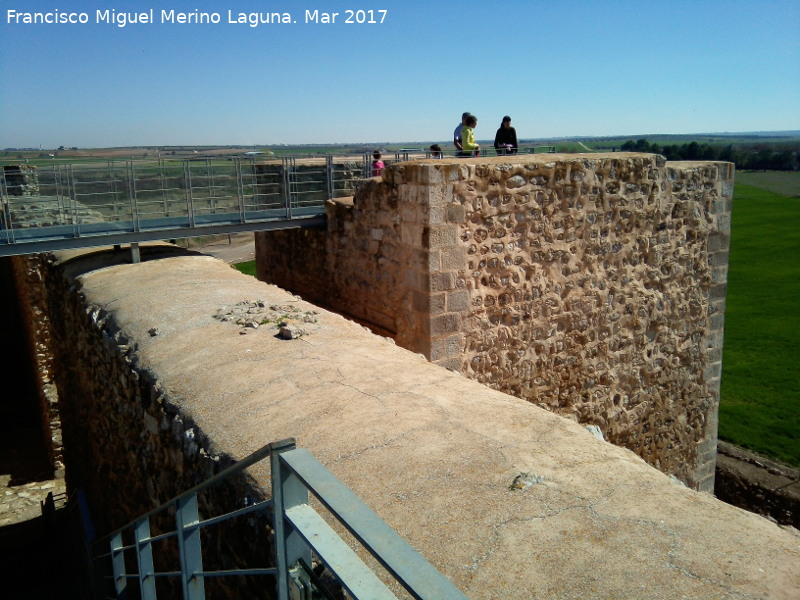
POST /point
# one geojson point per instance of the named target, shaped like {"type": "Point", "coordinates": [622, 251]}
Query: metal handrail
{"type": "Point", "coordinates": [84, 205]}
{"type": "Point", "coordinates": [300, 534]}
{"type": "Point", "coordinates": [76, 205]}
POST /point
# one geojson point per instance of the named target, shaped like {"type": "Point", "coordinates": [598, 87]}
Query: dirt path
{"type": "Point", "coordinates": [234, 248]}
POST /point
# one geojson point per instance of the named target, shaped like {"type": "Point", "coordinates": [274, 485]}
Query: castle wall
{"type": "Point", "coordinates": [592, 285]}
{"type": "Point", "coordinates": [122, 437]}
{"type": "Point", "coordinates": [157, 392]}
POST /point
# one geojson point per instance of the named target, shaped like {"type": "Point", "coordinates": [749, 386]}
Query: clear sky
{"type": "Point", "coordinates": [557, 67]}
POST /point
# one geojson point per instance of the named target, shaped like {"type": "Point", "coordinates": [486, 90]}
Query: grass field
{"type": "Point", "coordinates": [760, 406]}
{"type": "Point", "coordinates": [783, 183]}
{"type": "Point", "coordinates": [248, 268]}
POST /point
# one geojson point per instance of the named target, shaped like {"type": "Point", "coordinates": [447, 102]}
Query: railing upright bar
{"type": "Point", "coordinates": [144, 558]}
{"type": "Point", "coordinates": [162, 180]}
{"type": "Point", "coordinates": [58, 192]}
{"type": "Point", "coordinates": [187, 517]}
{"type": "Point", "coordinates": [118, 564]}
{"type": "Point", "coordinates": [329, 175]}
{"type": "Point", "coordinates": [5, 197]}
{"type": "Point", "coordinates": [240, 188]}
{"type": "Point", "coordinates": [187, 180]}
{"type": "Point", "coordinates": [112, 184]}
{"type": "Point", "coordinates": [287, 492]}
{"type": "Point", "coordinates": [289, 184]}
{"type": "Point", "coordinates": [73, 200]}
{"type": "Point", "coordinates": [212, 192]}
{"type": "Point", "coordinates": [132, 192]}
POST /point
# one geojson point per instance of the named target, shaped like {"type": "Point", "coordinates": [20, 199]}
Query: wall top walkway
{"type": "Point", "coordinates": [507, 500]}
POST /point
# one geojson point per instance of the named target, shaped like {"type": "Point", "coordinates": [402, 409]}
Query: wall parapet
{"type": "Point", "coordinates": [593, 285]}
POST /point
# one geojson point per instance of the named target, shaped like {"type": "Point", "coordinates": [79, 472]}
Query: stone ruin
{"type": "Point", "coordinates": [592, 285]}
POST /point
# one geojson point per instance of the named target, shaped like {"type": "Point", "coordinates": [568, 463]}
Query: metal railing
{"type": "Point", "coordinates": [302, 538]}
{"type": "Point", "coordinates": [82, 205]}
{"type": "Point", "coordinates": [486, 150]}
{"type": "Point", "coordinates": [63, 205]}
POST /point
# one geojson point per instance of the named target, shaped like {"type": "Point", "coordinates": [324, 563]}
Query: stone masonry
{"type": "Point", "coordinates": [158, 390]}
{"type": "Point", "coordinates": [592, 285]}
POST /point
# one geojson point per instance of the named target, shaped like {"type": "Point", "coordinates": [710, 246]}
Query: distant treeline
{"type": "Point", "coordinates": [755, 157]}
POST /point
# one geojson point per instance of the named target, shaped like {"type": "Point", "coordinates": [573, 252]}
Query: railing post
{"type": "Point", "coordinates": [212, 193]}
{"type": "Point", "coordinates": [287, 492]}
{"type": "Point", "coordinates": [187, 518]}
{"type": "Point", "coordinates": [131, 172]}
{"type": "Point", "coordinates": [329, 175]}
{"type": "Point", "coordinates": [5, 219]}
{"type": "Point", "coordinates": [163, 183]}
{"type": "Point", "coordinates": [289, 184]}
{"type": "Point", "coordinates": [144, 558]}
{"type": "Point", "coordinates": [366, 166]}
{"type": "Point", "coordinates": [73, 201]}
{"type": "Point", "coordinates": [118, 564]}
{"type": "Point", "coordinates": [187, 181]}
{"type": "Point", "coordinates": [239, 188]}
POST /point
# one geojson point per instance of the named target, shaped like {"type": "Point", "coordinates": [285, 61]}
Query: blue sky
{"type": "Point", "coordinates": [557, 67]}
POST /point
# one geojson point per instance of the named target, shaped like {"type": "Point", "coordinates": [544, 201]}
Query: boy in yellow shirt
{"type": "Point", "coordinates": [468, 136]}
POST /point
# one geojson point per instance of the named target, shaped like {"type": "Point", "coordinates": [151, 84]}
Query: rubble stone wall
{"type": "Point", "coordinates": [593, 285]}
{"type": "Point", "coordinates": [26, 272]}
{"type": "Point", "coordinates": [21, 180]}
{"type": "Point", "coordinates": [125, 442]}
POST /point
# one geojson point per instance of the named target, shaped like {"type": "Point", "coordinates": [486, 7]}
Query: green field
{"type": "Point", "coordinates": [248, 268]}
{"type": "Point", "coordinates": [760, 406]}
{"type": "Point", "coordinates": [783, 183]}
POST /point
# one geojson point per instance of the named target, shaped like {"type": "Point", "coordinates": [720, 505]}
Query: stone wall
{"type": "Point", "coordinates": [157, 392]}
{"type": "Point", "coordinates": [26, 274]}
{"type": "Point", "coordinates": [593, 285]}
{"type": "Point", "coordinates": [126, 443]}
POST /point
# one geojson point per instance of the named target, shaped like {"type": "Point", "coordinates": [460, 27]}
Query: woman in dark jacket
{"type": "Point", "coordinates": [505, 140]}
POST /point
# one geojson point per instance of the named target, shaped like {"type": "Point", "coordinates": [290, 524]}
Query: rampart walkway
{"type": "Point", "coordinates": [506, 499]}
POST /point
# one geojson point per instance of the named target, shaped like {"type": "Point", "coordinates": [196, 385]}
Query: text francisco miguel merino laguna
{"type": "Point", "coordinates": [164, 16]}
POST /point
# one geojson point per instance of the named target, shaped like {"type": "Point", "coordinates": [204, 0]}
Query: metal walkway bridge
{"type": "Point", "coordinates": [59, 206]}
{"type": "Point", "coordinates": [63, 206]}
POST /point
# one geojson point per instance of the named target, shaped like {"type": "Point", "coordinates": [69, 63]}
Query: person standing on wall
{"type": "Point", "coordinates": [468, 145]}
{"type": "Point", "coordinates": [377, 164]}
{"type": "Point", "coordinates": [505, 140]}
{"type": "Point", "coordinates": [457, 135]}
